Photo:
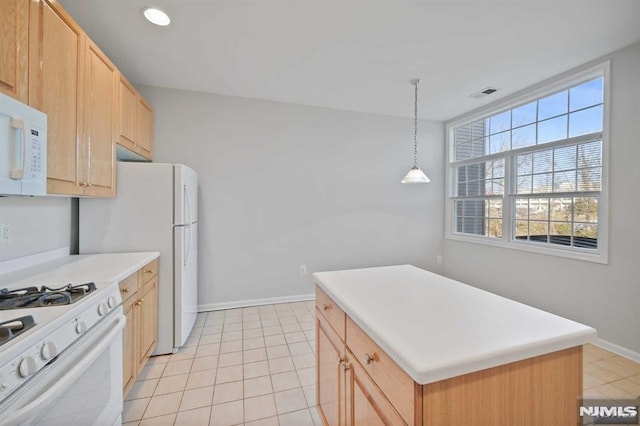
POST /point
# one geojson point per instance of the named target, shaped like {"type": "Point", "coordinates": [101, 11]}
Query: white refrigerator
{"type": "Point", "coordinates": [156, 209]}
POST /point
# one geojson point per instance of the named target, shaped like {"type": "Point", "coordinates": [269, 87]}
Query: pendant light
{"type": "Point", "coordinates": [415, 175]}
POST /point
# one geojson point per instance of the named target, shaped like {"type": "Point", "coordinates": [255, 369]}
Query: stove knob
{"type": "Point", "coordinates": [26, 367]}
{"type": "Point", "coordinates": [102, 309]}
{"type": "Point", "coordinates": [81, 327]}
{"type": "Point", "coordinates": [48, 351]}
{"type": "Point", "coordinates": [111, 302]}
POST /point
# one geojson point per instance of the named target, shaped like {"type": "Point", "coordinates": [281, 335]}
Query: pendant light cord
{"type": "Point", "coordinates": [415, 125]}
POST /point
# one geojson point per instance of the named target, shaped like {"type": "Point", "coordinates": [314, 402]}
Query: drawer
{"type": "Point", "coordinates": [331, 312]}
{"type": "Point", "coordinates": [128, 286]}
{"type": "Point", "coordinates": [148, 271]}
{"type": "Point", "coordinates": [397, 386]}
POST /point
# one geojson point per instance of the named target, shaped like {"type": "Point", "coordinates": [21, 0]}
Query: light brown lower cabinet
{"type": "Point", "coordinates": [140, 304]}
{"type": "Point", "coordinates": [359, 384]}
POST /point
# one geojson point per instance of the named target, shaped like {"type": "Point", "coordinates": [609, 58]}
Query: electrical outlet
{"type": "Point", "coordinates": [5, 233]}
{"type": "Point", "coordinates": [439, 259]}
{"type": "Point", "coordinates": [303, 269]}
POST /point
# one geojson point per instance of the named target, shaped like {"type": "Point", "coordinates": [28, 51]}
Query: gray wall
{"type": "Point", "coordinates": [606, 297]}
{"type": "Point", "coordinates": [37, 224]}
{"type": "Point", "coordinates": [284, 185]}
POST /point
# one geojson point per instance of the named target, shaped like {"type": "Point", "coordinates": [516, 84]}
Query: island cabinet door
{"type": "Point", "coordinates": [330, 380]}
{"type": "Point", "coordinates": [366, 405]}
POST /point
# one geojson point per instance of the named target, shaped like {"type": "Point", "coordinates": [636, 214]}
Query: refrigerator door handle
{"type": "Point", "coordinates": [187, 202]}
{"type": "Point", "coordinates": [187, 246]}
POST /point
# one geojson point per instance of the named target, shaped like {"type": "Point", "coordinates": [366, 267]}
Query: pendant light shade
{"type": "Point", "coordinates": [415, 175]}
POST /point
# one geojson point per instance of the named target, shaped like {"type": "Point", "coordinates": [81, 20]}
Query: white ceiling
{"type": "Point", "coordinates": [358, 54]}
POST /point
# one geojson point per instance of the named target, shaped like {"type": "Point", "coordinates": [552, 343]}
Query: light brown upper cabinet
{"type": "Point", "coordinates": [145, 128]}
{"type": "Point", "coordinates": [128, 99]}
{"type": "Point", "coordinates": [56, 51]}
{"type": "Point", "coordinates": [135, 127]}
{"type": "Point", "coordinates": [74, 83]}
{"type": "Point", "coordinates": [98, 136]}
{"type": "Point", "coordinates": [14, 53]}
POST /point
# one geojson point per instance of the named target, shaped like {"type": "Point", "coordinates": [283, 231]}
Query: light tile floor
{"type": "Point", "coordinates": [255, 366]}
{"type": "Point", "coordinates": [252, 366]}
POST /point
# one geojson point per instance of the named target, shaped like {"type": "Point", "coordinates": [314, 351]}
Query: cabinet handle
{"type": "Point", "coordinates": [139, 302]}
{"type": "Point", "coordinates": [341, 359]}
{"type": "Point", "coordinates": [148, 271]}
{"type": "Point", "coordinates": [325, 307]}
{"type": "Point", "coordinates": [368, 359]}
{"type": "Point", "coordinates": [345, 366]}
{"type": "Point", "coordinates": [126, 290]}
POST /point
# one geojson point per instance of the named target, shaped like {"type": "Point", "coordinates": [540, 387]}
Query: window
{"type": "Point", "coordinates": [530, 175]}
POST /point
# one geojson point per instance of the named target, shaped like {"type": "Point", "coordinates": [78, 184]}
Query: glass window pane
{"type": "Point", "coordinates": [463, 134]}
{"type": "Point", "coordinates": [498, 186]}
{"type": "Point", "coordinates": [479, 129]}
{"type": "Point", "coordinates": [524, 114]}
{"type": "Point", "coordinates": [494, 228]}
{"type": "Point", "coordinates": [522, 230]}
{"type": "Point", "coordinates": [542, 162]}
{"type": "Point", "coordinates": [585, 121]}
{"type": "Point", "coordinates": [463, 151]}
{"type": "Point", "coordinates": [475, 188]}
{"type": "Point", "coordinates": [553, 105]}
{"type": "Point", "coordinates": [462, 189]}
{"type": "Point", "coordinates": [561, 209]}
{"type": "Point", "coordinates": [462, 173]}
{"type": "Point", "coordinates": [524, 184]}
{"type": "Point", "coordinates": [590, 179]}
{"type": "Point", "coordinates": [585, 209]}
{"type": "Point", "coordinates": [500, 122]}
{"type": "Point", "coordinates": [590, 154]}
{"type": "Point", "coordinates": [522, 208]}
{"type": "Point", "coordinates": [538, 231]}
{"type": "Point", "coordinates": [542, 183]}
{"type": "Point", "coordinates": [539, 209]}
{"type": "Point", "coordinates": [499, 142]}
{"type": "Point", "coordinates": [524, 164]}
{"type": "Point", "coordinates": [585, 235]}
{"type": "Point", "coordinates": [498, 168]}
{"type": "Point", "coordinates": [459, 224]}
{"type": "Point", "coordinates": [552, 130]}
{"type": "Point", "coordinates": [495, 209]}
{"type": "Point", "coordinates": [475, 171]}
{"type": "Point", "coordinates": [564, 181]}
{"type": "Point", "coordinates": [523, 136]}
{"type": "Point", "coordinates": [586, 94]}
{"type": "Point", "coordinates": [560, 233]}
{"type": "Point", "coordinates": [564, 158]}
{"type": "Point", "coordinates": [458, 204]}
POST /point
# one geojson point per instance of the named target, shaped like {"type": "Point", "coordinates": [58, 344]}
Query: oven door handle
{"type": "Point", "coordinates": [54, 391]}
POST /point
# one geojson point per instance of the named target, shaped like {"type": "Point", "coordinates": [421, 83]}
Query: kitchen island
{"type": "Point", "coordinates": [401, 345]}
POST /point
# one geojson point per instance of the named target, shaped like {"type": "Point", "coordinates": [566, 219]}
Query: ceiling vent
{"type": "Point", "coordinates": [484, 92]}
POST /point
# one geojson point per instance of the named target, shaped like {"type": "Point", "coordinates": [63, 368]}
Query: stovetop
{"type": "Point", "coordinates": [34, 297]}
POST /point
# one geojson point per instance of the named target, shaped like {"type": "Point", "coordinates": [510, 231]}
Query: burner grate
{"type": "Point", "coordinates": [15, 327]}
{"type": "Point", "coordinates": [32, 297]}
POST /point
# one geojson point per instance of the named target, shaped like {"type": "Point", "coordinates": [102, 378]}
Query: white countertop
{"type": "Point", "coordinates": [79, 268]}
{"type": "Point", "coordinates": [436, 328]}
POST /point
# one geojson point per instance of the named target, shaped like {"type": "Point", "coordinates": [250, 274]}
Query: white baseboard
{"type": "Point", "coordinates": [617, 349]}
{"type": "Point", "coordinates": [255, 302]}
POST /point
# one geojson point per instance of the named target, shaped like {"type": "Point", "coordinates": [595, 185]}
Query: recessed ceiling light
{"type": "Point", "coordinates": [156, 16]}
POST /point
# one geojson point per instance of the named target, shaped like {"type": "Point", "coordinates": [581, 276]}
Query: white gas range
{"type": "Point", "coordinates": [61, 345]}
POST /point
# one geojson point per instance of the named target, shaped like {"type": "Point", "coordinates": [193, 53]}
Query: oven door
{"type": "Point", "coordinates": [82, 386]}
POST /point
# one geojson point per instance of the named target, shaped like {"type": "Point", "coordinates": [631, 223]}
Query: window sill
{"type": "Point", "coordinates": [593, 256]}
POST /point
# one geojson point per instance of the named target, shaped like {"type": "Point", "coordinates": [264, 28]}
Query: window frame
{"type": "Point", "coordinates": [559, 83]}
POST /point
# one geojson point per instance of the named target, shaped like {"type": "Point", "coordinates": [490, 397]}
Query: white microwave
{"type": "Point", "coordinates": [23, 149]}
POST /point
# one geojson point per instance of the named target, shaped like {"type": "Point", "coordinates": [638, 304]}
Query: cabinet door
{"type": "Point", "coordinates": [144, 126]}
{"type": "Point", "coordinates": [129, 361]}
{"type": "Point", "coordinates": [55, 87]}
{"type": "Point", "coordinates": [99, 108]}
{"type": "Point", "coordinates": [128, 102]}
{"type": "Point", "coordinates": [14, 38]}
{"type": "Point", "coordinates": [330, 383]}
{"type": "Point", "coordinates": [366, 404]}
{"type": "Point", "coordinates": [148, 319]}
